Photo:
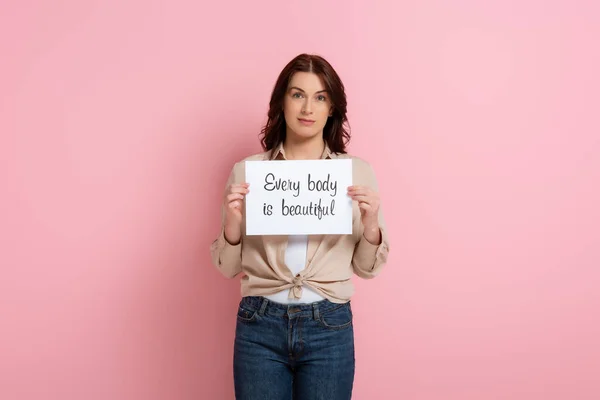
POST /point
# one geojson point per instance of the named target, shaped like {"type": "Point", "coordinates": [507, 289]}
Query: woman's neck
{"type": "Point", "coordinates": [311, 149]}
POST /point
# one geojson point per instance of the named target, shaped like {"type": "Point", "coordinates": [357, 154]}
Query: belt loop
{"type": "Point", "coordinates": [263, 306]}
{"type": "Point", "coordinates": [316, 311]}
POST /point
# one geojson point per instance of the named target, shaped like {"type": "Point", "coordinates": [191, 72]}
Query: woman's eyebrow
{"type": "Point", "coordinates": [297, 88]}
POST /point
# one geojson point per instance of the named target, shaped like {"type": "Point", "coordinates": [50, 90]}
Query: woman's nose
{"type": "Point", "coordinates": [307, 109]}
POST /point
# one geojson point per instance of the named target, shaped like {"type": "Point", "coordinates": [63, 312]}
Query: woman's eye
{"type": "Point", "coordinates": [322, 98]}
{"type": "Point", "coordinates": [296, 95]}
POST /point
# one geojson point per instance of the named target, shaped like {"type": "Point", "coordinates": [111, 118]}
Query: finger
{"type": "Point", "coordinates": [356, 187]}
{"type": "Point", "coordinates": [361, 190]}
{"type": "Point", "coordinates": [234, 196]}
{"type": "Point", "coordinates": [239, 190]}
{"type": "Point", "coordinates": [368, 198]}
{"type": "Point", "coordinates": [374, 206]}
{"type": "Point", "coordinates": [369, 209]}
{"type": "Point", "coordinates": [359, 187]}
{"type": "Point", "coordinates": [365, 206]}
{"type": "Point", "coordinates": [235, 204]}
{"type": "Point", "coordinates": [361, 197]}
{"type": "Point", "coordinates": [372, 201]}
{"type": "Point", "coordinates": [239, 185]}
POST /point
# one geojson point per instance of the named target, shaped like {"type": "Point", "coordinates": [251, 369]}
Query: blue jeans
{"type": "Point", "coordinates": [293, 351]}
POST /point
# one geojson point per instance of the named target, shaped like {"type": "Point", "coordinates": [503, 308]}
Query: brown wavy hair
{"type": "Point", "coordinates": [335, 133]}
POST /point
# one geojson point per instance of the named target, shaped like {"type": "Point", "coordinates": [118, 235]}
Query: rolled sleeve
{"type": "Point", "coordinates": [225, 256]}
{"type": "Point", "coordinates": [368, 259]}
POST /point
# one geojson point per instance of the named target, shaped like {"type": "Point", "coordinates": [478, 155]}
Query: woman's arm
{"type": "Point", "coordinates": [227, 257]}
{"type": "Point", "coordinates": [371, 251]}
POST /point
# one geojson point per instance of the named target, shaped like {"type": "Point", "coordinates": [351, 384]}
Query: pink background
{"type": "Point", "coordinates": [119, 123]}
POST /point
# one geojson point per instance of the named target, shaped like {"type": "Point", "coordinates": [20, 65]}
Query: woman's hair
{"type": "Point", "coordinates": [334, 133]}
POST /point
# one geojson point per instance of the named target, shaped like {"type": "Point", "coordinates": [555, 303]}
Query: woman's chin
{"type": "Point", "coordinates": [304, 134]}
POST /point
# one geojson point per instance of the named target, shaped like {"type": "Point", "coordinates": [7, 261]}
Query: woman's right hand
{"type": "Point", "coordinates": [233, 203]}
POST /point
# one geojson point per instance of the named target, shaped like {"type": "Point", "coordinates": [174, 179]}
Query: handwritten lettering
{"type": "Point", "coordinates": [316, 209]}
{"type": "Point", "coordinates": [323, 186]}
{"type": "Point", "coordinates": [271, 183]}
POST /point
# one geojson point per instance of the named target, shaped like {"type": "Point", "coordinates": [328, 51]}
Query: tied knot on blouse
{"type": "Point", "coordinates": [296, 291]}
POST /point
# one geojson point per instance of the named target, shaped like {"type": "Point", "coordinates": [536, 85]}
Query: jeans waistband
{"type": "Point", "coordinates": [266, 306]}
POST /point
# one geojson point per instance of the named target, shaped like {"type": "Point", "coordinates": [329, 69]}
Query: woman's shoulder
{"type": "Point", "coordinates": [362, 171]}
{"type": "Point", "coordinates": [239, 165]}
{"type": "Point", "coordinates": [256, 157]}
{"type": "Point", "coordinates": [356, 161]}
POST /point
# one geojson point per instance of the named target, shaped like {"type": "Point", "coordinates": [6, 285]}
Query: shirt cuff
{"type": "Point", "coordinates": [227, 257]}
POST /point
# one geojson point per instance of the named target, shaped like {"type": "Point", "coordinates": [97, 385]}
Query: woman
{"type": "Point", "coordinates": [294, 333]}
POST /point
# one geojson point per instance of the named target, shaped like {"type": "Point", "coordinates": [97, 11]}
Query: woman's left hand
{"type": "Point", "coordinates": [368, 202]}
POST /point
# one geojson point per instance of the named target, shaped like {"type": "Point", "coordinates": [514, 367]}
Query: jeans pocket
{"type": "Point", "coordinates": [337, 318]}
{"type": "Point", "coordinates": [245, 313]}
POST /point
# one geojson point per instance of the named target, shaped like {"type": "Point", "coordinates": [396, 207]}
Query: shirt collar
{"type": "Point", "coordinates": [279, 153]}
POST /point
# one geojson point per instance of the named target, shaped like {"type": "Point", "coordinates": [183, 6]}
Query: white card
{"type": "Point", "coordinates": [299, 197]}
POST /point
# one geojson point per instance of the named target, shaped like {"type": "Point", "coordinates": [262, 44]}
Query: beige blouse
{"type": "Point", "coordinates": [331, 259]}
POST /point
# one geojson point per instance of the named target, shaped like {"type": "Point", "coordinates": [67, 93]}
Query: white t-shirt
{"type": "Point", "coordinates": [295, 259]}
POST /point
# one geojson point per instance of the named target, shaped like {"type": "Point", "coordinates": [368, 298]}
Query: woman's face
{"type": "Point", "coordinates": [306, 106]}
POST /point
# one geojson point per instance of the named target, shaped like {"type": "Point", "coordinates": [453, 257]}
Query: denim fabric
{"type": "Point", "coordinates": [293, 351]}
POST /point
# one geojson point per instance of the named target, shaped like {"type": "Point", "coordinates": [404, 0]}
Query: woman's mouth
{"type": "Point", "coordinates": [306, 122]}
